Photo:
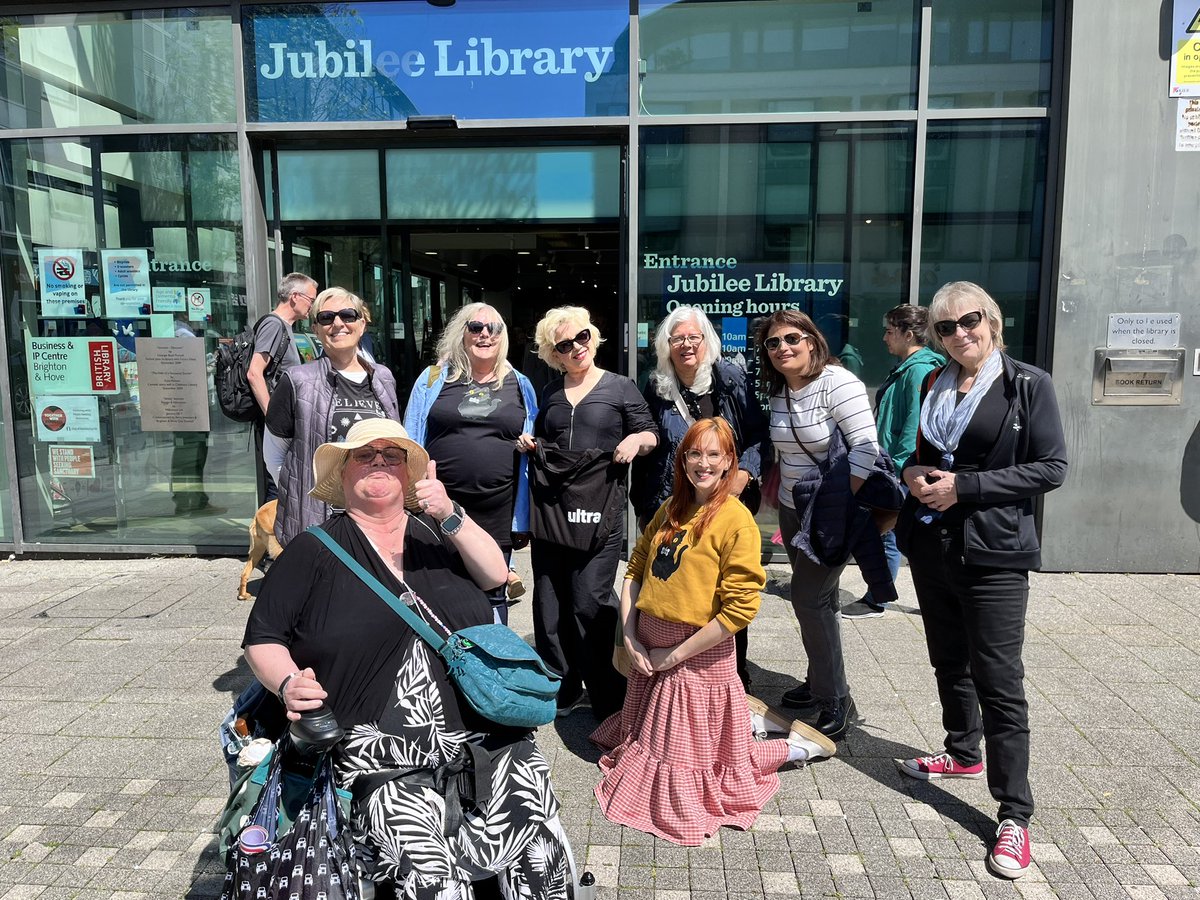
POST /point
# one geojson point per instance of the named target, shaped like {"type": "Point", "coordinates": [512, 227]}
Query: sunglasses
{"type": "Point", "coordinates": [347, 315]}
{"type": "Point", "coordinates": [392, 456]}
{"type": "Point", "coordinates": [582, 339]}
{"type": "Point", "coordinates": [492, 328]}
{"type": "Point", "coordinates": [947, 327]}
{"type": "Point", "coordinates": [792, 338]}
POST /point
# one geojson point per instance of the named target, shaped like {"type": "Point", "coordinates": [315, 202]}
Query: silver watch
{"type": "Point", "coordinates": [453, 523]}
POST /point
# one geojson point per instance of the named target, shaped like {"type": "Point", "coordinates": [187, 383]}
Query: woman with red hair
{"type": "Point", "coordinates": [682, 757]}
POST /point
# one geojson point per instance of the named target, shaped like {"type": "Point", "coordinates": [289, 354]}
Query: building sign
{"type": "Point", "coordinates": [82, 365]}
{"type": "Point", "coordinates": [67, 418]}
{"type": "Point", "coordinates": [71, 462]}
{"type": "Point", "coordinates": [172, 384]}
{"type": "Point", "coordinates": [475, 59]}
{"type": "Point", "coordinates": [1185, 49]}
{"type": "Point", "coordinates": [62, 283]}
{"type": "Point", "coordinates": [1144, 331]}
{"type": "Point", "coordinates": [126, 276]}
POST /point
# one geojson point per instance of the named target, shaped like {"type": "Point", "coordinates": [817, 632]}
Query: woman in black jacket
{"type": "Point", "coordinates": [990, 442]}
{"type": "Point", "coordinates": [690, 382]}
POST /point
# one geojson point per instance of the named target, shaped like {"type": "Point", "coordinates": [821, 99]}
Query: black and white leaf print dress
{"type": "Point", "coordinates": [394, 697]}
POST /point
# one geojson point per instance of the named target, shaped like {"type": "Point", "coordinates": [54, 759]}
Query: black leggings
{"type": "Point", "coordinates": [575, 618]}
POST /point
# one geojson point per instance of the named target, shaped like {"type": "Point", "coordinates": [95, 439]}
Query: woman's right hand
{"type": "Point", "coordinates": [914, 477]}
{"type": "Point", "coordinates": [526, 442]}
{"type": "Point", "coordinates": [638, 656]}
{"type": "Point", "coordinates": [302, 692]}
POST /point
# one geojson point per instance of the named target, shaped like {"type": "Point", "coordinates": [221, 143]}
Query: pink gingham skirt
{"type": "Point", "coordinates": [681, 758]}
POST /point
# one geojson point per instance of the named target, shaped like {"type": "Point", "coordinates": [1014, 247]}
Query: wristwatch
{"type": "Point", "coordinates": [453, 522]}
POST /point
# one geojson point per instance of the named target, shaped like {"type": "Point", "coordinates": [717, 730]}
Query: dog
{"type": "Point", "coordinates": [262, 541]}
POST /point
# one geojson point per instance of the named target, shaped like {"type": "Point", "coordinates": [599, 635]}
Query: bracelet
{"type": "Point", "coordinates": [282, 685]}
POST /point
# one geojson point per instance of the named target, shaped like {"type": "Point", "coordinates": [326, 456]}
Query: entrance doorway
{"type": "Point", "coordinates": [523, 229]}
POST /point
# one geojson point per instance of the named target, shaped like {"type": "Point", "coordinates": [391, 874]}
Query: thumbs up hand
{"type": "Point", "coordinates": [431, 494]}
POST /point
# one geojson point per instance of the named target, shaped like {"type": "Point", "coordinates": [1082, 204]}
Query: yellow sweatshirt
{"type": "Point", "coordinates": [718, 577]}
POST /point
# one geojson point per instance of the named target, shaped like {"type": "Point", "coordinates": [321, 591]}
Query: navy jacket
{"type": "Point", "coordinates": [836, 523]}
{"type": "Point", "coordinates": [735, 401]}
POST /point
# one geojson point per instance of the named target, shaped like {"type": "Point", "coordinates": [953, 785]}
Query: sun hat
{"type": "Point", "coordinates": [330, 459]}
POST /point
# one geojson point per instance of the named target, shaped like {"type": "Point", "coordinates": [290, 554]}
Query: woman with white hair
{"type": "Point", "coordinates": [574, 605]}
{"type": "Point", "coordinates": [319, 402]}
{"type": "Point", "coordinates": [467, 411]}
{"type": "Point", "coordinates": [989, 444]}
{"type": "Point", "coordinates": [691, 382]}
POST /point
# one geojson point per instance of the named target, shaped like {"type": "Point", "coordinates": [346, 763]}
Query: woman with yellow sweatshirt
{"type": "Point", "coordinates": [682, 759]}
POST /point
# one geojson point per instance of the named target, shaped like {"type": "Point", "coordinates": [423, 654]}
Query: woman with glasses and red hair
{"type": "Point", "coordinates": [318, 402]}
{"type": "Point", "coordinates": [467, 411]}
{"type": "Point", "coordinates": [989, 444]}
{"type": "Point", "coordinates": [574, 606]}
{"type": "Point", "coordinates": [813, 399]}
{"type": "Point", "coordinates": [682, 760]}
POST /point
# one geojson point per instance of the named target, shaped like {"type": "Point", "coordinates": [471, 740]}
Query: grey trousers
{"type": "Point", "coordinates": [814, 596]}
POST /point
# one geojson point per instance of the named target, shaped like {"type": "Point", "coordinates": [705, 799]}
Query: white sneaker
{"type": "Point", "coordinates": [812, 742]}
{"type": "Point", "coordinates": [765, 719]}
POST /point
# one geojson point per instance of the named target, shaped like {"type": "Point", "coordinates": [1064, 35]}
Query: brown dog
{"type": "Point", "coordinates": [262, 539]}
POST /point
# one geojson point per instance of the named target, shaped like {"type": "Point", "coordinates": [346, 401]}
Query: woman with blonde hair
{"type": "Point", "coordinates": [682, 758]}
{"type": "Point", "coordinates": [318, 402]}
{"type": "Point", "coordinates": [467, 410]}
{"type": "Point", "coordinates": [588, 409]}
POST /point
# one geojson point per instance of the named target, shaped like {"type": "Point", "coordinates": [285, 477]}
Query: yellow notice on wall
{"type": "Point", "coordinates": [1185, 60]}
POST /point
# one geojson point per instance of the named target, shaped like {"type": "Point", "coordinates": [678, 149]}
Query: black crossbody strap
{"type": "Point", "coordinates": [415, 622]}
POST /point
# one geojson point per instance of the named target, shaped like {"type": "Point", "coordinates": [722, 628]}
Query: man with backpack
{"type": "Point", "coordinates": [275, 351]}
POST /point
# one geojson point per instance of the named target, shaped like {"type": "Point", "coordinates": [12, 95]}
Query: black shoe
{"type": "Point", "coordinates": [862, 609]}
{"type": "Point", "coordinates": [798, 697]}
{"type": "Point", "coordinates": [834, 717]}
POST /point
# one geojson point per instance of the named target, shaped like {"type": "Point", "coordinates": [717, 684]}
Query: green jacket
{"type": "Point", "coordinates": [898, 404]}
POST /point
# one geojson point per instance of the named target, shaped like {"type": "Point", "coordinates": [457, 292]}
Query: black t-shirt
{"type": "Point", "coordinates": [329, 620]}
{"type": "Point", "coordinates": [611, 411]}
{"type": "Point", "coordinates": [975, 444]}
{"type": "Point", "coordinates": [471, 433]}
{"type": "Point", "coordinates": [352, 402]}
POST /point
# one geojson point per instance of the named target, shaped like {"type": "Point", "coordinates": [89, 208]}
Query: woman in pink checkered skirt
{"type": "Point", "coordinates": [682, 756]}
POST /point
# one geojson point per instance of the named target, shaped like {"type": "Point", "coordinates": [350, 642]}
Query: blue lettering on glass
{"type": "Point", "coordinates": [490, 59]}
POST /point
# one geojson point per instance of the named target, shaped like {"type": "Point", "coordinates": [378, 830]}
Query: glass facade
{"type": "Point", "coordinates": [808, 153]}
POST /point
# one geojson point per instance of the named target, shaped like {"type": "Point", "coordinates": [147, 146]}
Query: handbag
{"type": "Point", "coordinates": [499, 675]}
{"type": "Point", "coordinates": [312, 860]}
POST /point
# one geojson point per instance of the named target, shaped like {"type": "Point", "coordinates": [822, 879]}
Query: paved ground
{"type": "Point", "coordinates": [114, 675]}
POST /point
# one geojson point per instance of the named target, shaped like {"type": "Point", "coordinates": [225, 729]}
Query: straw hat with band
{"type": "Point", "coordinates": [330, 459]}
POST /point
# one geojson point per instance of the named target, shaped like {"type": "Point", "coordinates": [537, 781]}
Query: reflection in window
{"type": "Point", "coordinates": [743, 220]}
{"type": "Point", "coordinates": [985, 194]}
{"type": "Point", "coordinates": [116, 68]}
{"type": "Point", "coordinates": [103, 477]}
{"type": "Point", "coordinates": [991, 54]}
{"type": "Point", "coordinates": [741, 56]}
{"type": "Point", "coordinates": [326, 185]}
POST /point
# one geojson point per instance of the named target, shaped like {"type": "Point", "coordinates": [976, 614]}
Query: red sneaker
{"type": "Point", "coordinates": [1010, 855]}
{"type": "Point", "coordinates": [939, 765]}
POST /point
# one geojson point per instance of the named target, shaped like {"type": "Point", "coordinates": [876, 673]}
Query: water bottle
{"type": "Point", "coordinates": [586, 889]}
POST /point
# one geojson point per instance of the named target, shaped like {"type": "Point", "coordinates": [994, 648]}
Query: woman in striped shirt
{"type": "Point", "coordinates": [811, 396]}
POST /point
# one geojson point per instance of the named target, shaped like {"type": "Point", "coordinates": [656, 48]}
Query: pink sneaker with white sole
{"type": "Point", "coordinates": [1010, 854]}
{"type": "Point", "coordinates": [939, 765]}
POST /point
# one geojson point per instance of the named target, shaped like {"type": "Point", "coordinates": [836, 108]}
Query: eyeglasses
{"type": "Point", "coordinates": [305, 296]}
{"type": "Point", "coordinates": [492, 328]}
{"type": "Point", "coordinates": [582, 339]}
{"type": "Point", "coordinates": [692, 340]}
{"type": "Point", "coordinates": [349, 315]}
{"type": "Point", "coordinates": [948, 327]}
{"type": "Point", "coordinates": [392, 456]}
{"type": "Point", "coordinates": [712, 456]}
{"type": "Point", "coordinates": [792, 338]}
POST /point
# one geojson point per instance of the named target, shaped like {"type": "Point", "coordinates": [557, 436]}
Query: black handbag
{"type": "Point", "coordinates": [312, 860]}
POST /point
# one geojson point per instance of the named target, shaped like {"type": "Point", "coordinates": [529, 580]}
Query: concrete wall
{"type": "Point", "coordinates": [1130, 238]}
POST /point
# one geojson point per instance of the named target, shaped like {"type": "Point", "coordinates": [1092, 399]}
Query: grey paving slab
{"type": "Point", "coordinates": [115, 673]}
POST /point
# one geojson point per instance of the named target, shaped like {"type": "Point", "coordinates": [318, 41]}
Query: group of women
{"type": "Point", "coordinates": [435, 507]}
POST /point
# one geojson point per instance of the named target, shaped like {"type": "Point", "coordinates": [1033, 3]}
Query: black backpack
{"type": "Point", "coordinates": [230, 367]}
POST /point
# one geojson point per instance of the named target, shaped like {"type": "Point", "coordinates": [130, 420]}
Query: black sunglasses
{"type": "Point", "coordinates": [392, 456]}
{"type": "Point", "coordinates": [947, 327]}
{"type": "Point", "coordinates": [492, 328]}
{"type": "Point", "coordinates": [348, 315]}
{"type": "Point", "coordinates": [582, 339]}
{"type": "Point", "coordinates": [792, 338]}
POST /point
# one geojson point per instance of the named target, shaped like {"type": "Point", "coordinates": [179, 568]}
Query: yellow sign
{"type": "Point", "coordinates": [1185, 61]}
